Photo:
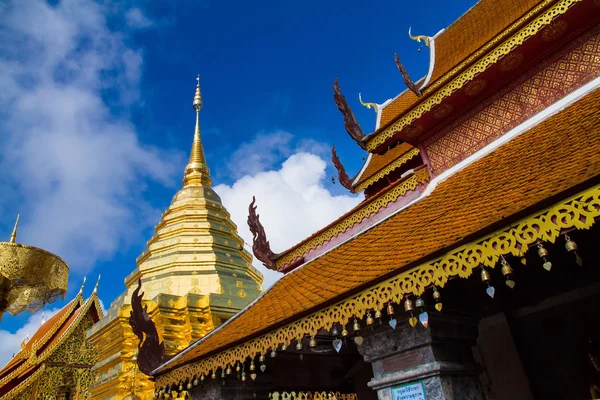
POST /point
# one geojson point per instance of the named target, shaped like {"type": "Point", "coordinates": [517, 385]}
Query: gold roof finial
{"type": "Point", "coordinates": [197, 96]}
{"type": "Point", "coordinates": [82, 284]}
{"type": "Point", "coordinates": [374, 106]}
{"type": "Point", "coordinates": [97, 283]}
{"type": "Point", "coordinates": [196, 172]}
{"type": "Point", "coordinates": [13, 235]}
{"type": "Point", "coordinates": [419, 38]}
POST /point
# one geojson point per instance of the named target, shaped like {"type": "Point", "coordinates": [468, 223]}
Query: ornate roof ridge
{"type": "Point", "coordinates": [465, 69]}
{"type": "Point", "coordinates": [79, 313]}
{"type": "Point", "coordinates": [355, 216]}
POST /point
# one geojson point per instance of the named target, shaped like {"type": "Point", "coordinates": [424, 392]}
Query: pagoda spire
{"type": "Point", "coordinates": [13, 235]}
{"type": "Point", "coordinates": [196, 172]}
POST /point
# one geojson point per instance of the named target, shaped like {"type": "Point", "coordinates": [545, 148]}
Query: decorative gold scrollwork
{"type": "Point", "coordinates": [579, 212]}
{"type": "Point", "coordinates": [492, 57]}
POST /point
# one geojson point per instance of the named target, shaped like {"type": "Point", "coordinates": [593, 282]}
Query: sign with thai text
{"type": "Point", "coordinates": [410, 391]}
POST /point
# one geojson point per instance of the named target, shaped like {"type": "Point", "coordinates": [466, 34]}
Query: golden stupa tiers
{"type": "Point", "coordinates": [195, 275]}
{"type": "Point", "coordinates": [29, 277]}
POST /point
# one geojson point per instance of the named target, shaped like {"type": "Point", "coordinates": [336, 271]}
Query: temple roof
{"type": "Point", "coordinates": [46, 340]}
{"type": "Point", "coordinates": [375, 167]}
{"type": "Point", "coordinates": [475, 32]}
{"type": "Point", "coordinates": [541, 164]}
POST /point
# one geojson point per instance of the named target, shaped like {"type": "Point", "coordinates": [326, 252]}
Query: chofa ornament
{"type": "Point", "coordinates": [151, 351]}
{"type": "Point", "coordinates": [260, 245]}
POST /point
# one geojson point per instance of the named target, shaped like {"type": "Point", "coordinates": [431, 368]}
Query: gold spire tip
{"type": "Point", "coordinates": [82, 284]}
{"type": "Point", "coordinates": [197, 104]}
{"type": "Point", "coordinates": [13, 235]}
{"type": "Point", "coordinates": [97, 283]}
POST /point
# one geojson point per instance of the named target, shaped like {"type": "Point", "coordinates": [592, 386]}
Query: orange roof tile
{"type": "Point", "coordinates": [400, 104]}
{"type": "Point", "coordinates": [552, 157]}
{"type": "Point", "coordinates": [43, 333]}
{"type": "Point", "coordinates": [44, 341]}
{"type": "Point", "coordinates": [477, 27]}
{"type": "Point", "coordinates": [378, 162]}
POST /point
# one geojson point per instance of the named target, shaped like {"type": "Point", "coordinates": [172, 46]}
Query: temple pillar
{"type": "Point", "coordinates": [418, 363]}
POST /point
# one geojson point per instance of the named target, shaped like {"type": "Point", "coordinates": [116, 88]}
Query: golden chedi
{"type": "Point", "coordinates": [195, 275]}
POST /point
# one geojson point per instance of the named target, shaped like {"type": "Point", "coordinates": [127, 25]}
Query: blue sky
{"type": "Point", "coordinates": [96, 119]}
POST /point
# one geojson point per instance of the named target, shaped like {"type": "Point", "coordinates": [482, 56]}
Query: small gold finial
{"type": "Point", "coordinates": [82, 284]}
{"type": "Point", "coordinates": [196, 172]}
{"type": "Point", "coordinates": [374, 106]}
{"type": "Point", "coordinates": [197, 104]}
{"type": "Point", "coordinates": [97, 283]}
{"type": "Point", "coordinates": [419, 38]}
{"type": "Point", "coordinates": [13, 235]}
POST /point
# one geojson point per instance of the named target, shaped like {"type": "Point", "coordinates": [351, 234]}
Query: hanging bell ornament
{"type": "Point", "coordinates": [571, 247]}
{"type": "Point", "coordinates": [409, 307]}
{"type": "Point", "coordinates": [228, 371]}
{"type": "Point", "coordinates": [334, 330]}
{"type": "Point", "coordinates": [284, 347]}
{"type": "Point", "coordinates": [370, 319]}
{"type": "Point", "coordinates": [378, 314]}
{"type": "Point", "coordinates": [180, 387]}
{"type": "Point", "coordinates": [355, 326]}
{"type": "Point", "coordinates": [252, 367]}
{"type": "Point", "coordinates": [196, 382]}
{"type": "Point", "coordinates": [189, 385]}
{"type": "Point", "coordinates": [273, 354]}
{"type": "Point", "coordinates": [437, 296]}
{"type": "Point", "coordinates": [390, 308]}
{"type": "Point", "coordinates": [507, 272]}
{"type": "Point", "coordinates": [238, 367]}
{"type": "Point", "coordinates": [312, 342]}
{"type": "Point", "coordinates": [299, 345]}
{"type": "Point", "coordinates": [214, 375]}
{"type": "Point", "coordinates": [222, 373]}
{"type": "Point", "coordinates": [344, 332]}
{"type": "Point", "coordinates": [202, 378]}
{"type": "Point", "coordinates": [261, 358]}
{"type": "Point", "coordinates": [543, 253]}
{"type": "Point", "coordinates": [243, 377]}
{"type": "Point", "coordinates": [419, 303]}
{"type": "Point", "coordinates": [408, 304]}
{"type": "Point", "coordinates": [486, 277]}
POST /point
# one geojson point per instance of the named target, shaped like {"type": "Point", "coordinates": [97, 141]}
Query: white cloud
{"type": "Point", "coordinates": [11, 342]}
{"type": "Point", "coordinates": [75, 168]}
{"type": "Point", "coordinates": [265, 150]}
{"type": "Point", "coordinates": [292, 203]}
{"type": "Point", "coordinates": [136, 19]}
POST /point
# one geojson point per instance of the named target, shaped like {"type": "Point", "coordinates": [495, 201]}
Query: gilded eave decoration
{"type": "Point", "coordinates": [421, 176]}
{"type": "Point", "coordinates": [34, 359]}
{"type": "Point", "coordinates": [576, 212]}
{"type": "Point", "coordinates": [388, 169]}
{"type": "Point", "coordinates": [479, 66]}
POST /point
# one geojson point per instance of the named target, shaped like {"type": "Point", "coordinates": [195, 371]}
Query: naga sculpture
{"type": "Point", "coordinates": [260, 244]}
{"type": "Point", "coordinates": [409, 82]}
{"type": "Point", "coordinates": [151, 351]}
{"type": "Point", "coordinates": [343, 177]}
{"type": "Point", "coordinates": [350, 123]}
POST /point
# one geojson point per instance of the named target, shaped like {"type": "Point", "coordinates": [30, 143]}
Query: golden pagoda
{"type": "Point", "coordinates": [195, 273]}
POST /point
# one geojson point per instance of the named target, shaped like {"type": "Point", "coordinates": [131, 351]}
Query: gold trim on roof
{"type": "Point", "coordinates": [406, 157]}
{"type": "Point", "coordinates": [33, 359]}
{"type": "Point", "coordinates": [503, 49]}
{"type": "Point", "coordinates": [579, 212]}
{"type": "Point", "coordinates": [14, 393]}
{"type": "Point", "coordinates": [410, 183]}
